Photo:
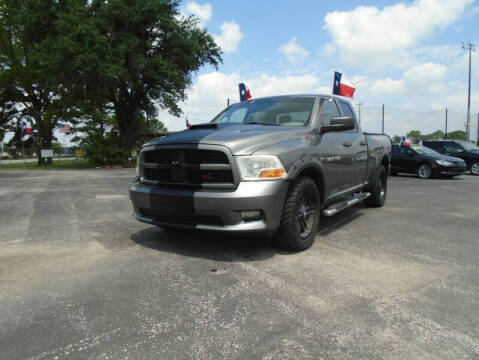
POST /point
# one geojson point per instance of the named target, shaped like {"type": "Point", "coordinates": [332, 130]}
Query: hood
{"type": "Point", "coordinates": [474, 153]}
{"type": "Point", "coordinates": [241, 139]}
{"type": "Point", "coordinates": [438, 156]}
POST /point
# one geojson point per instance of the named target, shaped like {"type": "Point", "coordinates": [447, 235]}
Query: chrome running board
{"type": "Point", "coordinates": [337, 207]}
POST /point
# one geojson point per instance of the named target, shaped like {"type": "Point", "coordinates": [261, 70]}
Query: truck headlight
{"type": "Point", "coordinates": [444, 162]}
{"type": "Point", "coordinates": [260, 167]}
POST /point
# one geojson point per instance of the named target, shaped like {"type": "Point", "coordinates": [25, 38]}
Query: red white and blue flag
{"type": "Point", "coordinates": [64, 128]}
{"type": "Point", "coordinates": [342, 86]}
{"type": "Point", "coordinates": [405, 141]}
{"type": "Point", "coordinates": [25, 129]}
{"type": "Point", "coordinates": [244, 92]}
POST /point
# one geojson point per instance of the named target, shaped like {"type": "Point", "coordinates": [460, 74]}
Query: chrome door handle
{"type": "Point", "coordinates": [363, 143]}
{"type": "Point", "coordinates": [347, 143]}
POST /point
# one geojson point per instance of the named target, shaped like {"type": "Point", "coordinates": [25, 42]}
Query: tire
{"type": "Point", "coordinates": [475, 168]}
{"type": "Point", "coordinates": [393, 172]}
{"type": "Point", "coordinates": [424, 171]}
{"type": "Point", "coordinates": [378, 189]}
{"type": "Point", "coordinates": [300, 218]}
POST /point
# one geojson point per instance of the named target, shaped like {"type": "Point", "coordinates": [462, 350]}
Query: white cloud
{"type": "Point", "coordinates": [230, 37]}
{"type": "Point", "coordinates": [293, 51]}
{"type": "Point", "coordinates": [371, 35]}
{"type": "Point", "coordinates": [425, 73]}
{"type": "Point", "coordinates": [387, 86]}
{"type": "Point", "coordinates": [202, 12]}
{"type": "Point", "coordinates": [328, 49]}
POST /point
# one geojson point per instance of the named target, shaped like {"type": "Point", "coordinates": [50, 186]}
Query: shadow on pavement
{"type": "Point", "coordinates": [226, 247]}
{"type": "Point", "coordinates": [436, 178]}
{"type": "Point", "coordinates": [211, 246]}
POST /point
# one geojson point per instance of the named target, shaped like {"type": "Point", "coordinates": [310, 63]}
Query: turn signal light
{"type": "Point", "coordinates": [271, 173]}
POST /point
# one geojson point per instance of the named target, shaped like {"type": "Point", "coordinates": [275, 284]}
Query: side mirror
{"type": "Point", "coordinates": [341, 123]}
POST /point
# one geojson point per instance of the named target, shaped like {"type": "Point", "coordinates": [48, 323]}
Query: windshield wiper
{"type": "Point", "coordinates": [260, 123]}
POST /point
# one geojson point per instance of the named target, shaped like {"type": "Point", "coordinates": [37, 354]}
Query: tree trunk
{"type": "Point", "coordinates": [45, 138]}
{"type": "Point", "coordinates": [128, 125]}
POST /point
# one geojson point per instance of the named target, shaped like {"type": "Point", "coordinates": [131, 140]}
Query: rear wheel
{"type": "Point", "coordinates": [424, 171]}
{"type": "Point", "coordinates": [300, 217]}
{"type": "Point", "coordinates": [475, 168]}
{"type": "Point", "coordinates": [379, 189]}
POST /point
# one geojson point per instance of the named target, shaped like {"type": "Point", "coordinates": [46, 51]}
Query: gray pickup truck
{"type": "Point", "coordinates": [270, 165]}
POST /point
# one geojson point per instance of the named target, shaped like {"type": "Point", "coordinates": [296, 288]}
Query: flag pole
{"type": "Point", "coordinates": [23, 150]}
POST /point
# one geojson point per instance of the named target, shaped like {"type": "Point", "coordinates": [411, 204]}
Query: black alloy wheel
{"type": "Point", "coordinates": [378, 189]}
{"type": "Point", "coordinates": [300, 218]}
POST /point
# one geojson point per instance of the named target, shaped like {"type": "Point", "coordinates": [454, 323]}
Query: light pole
{"type": "Point", "coordinates": [469, 47]}
{"type": "Point", "coordinates": [359, 111]}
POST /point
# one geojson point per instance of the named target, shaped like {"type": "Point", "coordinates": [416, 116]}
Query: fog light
{"type": "Point", "coordinates": [250, 215]}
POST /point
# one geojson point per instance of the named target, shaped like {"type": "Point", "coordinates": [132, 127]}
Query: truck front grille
{"type": "Point", "coordinates": [187, 167]}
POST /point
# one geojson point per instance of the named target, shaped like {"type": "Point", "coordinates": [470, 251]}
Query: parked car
{"type": "Point", "coordinates": [424, 162]}
{"type": "Point", "coordinates": [462, 149]}
{"type": "Point", "coordinates": [270, 165]}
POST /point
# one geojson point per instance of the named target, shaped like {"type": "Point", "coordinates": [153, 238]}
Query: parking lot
{"type": "Point", "coordinates": [80, 278]}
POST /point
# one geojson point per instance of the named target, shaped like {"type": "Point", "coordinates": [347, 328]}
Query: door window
{"type": "Point", "coordinates": [452, 148]}
{"type": "Point", "coordinates": [327, 111]}
{"type": "Point", "coordinates": [403, 150]}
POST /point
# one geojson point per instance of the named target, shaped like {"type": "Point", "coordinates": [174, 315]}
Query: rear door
{"type": "Point", "coordinates": [410, 159]}
{"type": "Point", "coordinates": [396, 158]}
{"type": "Point", "coordinates": [358, 147]}
{"type": "Point", "coordinates": [403, 159]}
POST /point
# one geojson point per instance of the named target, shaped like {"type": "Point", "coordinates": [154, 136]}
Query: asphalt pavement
{"type": "Point", "coordinates": [81, 279]}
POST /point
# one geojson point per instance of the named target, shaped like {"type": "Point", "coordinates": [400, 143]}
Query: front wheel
{"type": "Point", "coordinates": [475, 168]}
{"type": "Point", "coordinates": [379, 189]}
{"type": "Point", "coordinates": [300, 217]}
{"type": "Point", "coordinates": [424, 171]}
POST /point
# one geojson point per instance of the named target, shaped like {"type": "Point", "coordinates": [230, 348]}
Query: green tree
{"type": "Point", "coordinates": [436, 135]}
{"type": "Point", "coordinates": [136, 56]}
{"type": "Point", "coordinates": [414, 135]}
{"type": "Point", "coordinates": [457, 135]}
{"type": "Point", "coordinates": [396, 139]}
{"type": "Point", "coordinates": [26, 88]}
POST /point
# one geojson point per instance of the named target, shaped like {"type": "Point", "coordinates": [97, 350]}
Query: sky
{"type": "Point", "coordinates": [406, 55]}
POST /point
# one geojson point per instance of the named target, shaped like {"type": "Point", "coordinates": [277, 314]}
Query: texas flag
{"type": "Point", "coordinates": [405, 142]}
{"type": "Point", "coordinates": [342, 86]}
{"type": "Point", "coordinates": [26, 130]}
{"type": "Point", "coordinates": [244, 92]}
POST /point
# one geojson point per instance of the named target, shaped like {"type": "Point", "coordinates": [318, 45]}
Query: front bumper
{"type": "Point", "coordinates": [217, 210]}
{"type": "Point", "coordinates": [449, 170]}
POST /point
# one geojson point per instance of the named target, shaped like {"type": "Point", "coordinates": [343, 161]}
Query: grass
{"type": "Point", "coordinates": [57, 164]}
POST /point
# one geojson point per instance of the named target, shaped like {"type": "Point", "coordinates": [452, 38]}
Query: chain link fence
{"type": "Point", "coordinates": [400, 122]}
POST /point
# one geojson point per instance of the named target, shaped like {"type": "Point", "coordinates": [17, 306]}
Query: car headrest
{"type": "Point", "coordinates": [285, 119]}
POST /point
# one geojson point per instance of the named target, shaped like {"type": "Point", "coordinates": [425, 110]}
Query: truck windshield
{"type": "Point", "coordinates": [294, 111]}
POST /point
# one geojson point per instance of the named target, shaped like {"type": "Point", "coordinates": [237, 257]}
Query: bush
{"type": "Point", "coordinates": [101, 150]}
